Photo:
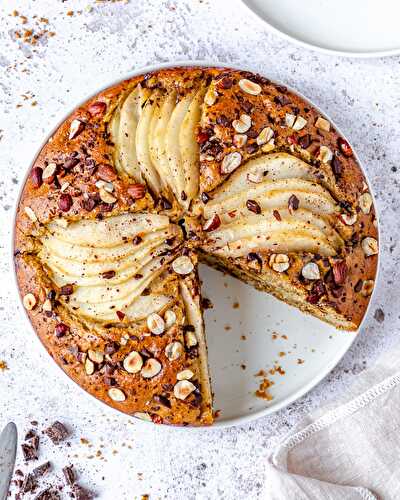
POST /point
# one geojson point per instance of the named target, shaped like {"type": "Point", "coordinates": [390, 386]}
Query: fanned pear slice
{"type": "Point", "coordinates": [158, 128]}
{"type": "Point", "coordinates": [261, 227]}
{"type": "Point", "coordinates": [272, 166]}
{"type": "Point", "coordinates": [130, 113]}
{"type": "Point", "coordinates": [278, 242]}
{"type": "Point", "coordinates": [276, 194]}
{"type": "Point", "coordinates": [88, 255]}
{"type": "Point", "coordinates": [189, 148]}
{"type": "Point", "coordinates": [149, 170]}
{"type": "Point", "coordinates": [114, 130]}
{"type": "Point", "coordinates": [108, 232]}
{"type": "Point", "coordinates": [172, 146]}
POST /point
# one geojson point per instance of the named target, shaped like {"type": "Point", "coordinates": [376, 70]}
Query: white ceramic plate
{"type": "Point", "coordinates": [248, 331]}
{"type": "Point", "coordinates": [358, 28]}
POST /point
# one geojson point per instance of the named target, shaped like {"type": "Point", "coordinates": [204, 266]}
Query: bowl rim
{"type": "Point", "coordinates": [314, 47]}
{"type": "Point", "coordinates": [218, 424]}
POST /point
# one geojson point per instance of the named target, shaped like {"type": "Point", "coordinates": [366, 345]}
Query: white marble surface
{"type": "Point", "coordinates": [87, 52]}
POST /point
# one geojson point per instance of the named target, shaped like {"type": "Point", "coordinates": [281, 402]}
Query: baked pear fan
{"type": "Point", "coordinates": [163, 169]}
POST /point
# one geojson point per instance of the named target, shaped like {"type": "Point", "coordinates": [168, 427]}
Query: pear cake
{"type": "Point", "coordinates": [157, 173]}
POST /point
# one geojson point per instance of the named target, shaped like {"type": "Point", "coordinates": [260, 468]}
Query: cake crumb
{"type": "Point", "coordinates": [236, 305]}
{"type": "Point", "coordinates": [263, 389]}
{"type": "Point", "coordinates": [3, 366]}
{"type": "Point", "coordinates": [300, 361]}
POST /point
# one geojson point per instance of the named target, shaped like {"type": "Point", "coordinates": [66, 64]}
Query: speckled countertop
{"type": "Point", "coordinates": [95, 43]}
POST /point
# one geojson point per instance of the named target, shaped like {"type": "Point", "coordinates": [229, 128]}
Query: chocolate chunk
{"type": "Point", "coordinates": [137, 239]}
{"type": "Point", "coordinates": [29, 484]}
{"type": "Point", "coordinates": [205, 197]}
{"type": "Point", "coordinates": [358, 286]}
{"type": "Point", "coordinates": [111, 348]}
{"type": "Point", "coordinates": [253, 206]}
{"type": "Point", "coordinates": [71, 163]}
{"type": "Point", "coordinates": [67, 290]}
{"type": "Point", "coordinates": [29, 451]}
{"type": "Point", "coordinates": [69, 475]}
{"type": "Point", "coordinates": [165, 204]}
{"type": "Point", "coordinates": [65, 202]}
{"type": "Point", "coordinates": [317, 291]}
{"type": "Point", "coordinates": [30, 434]}
{"type": "Point", "coordinates": [108, 275]}
{"type": "Point", "coordinates": [57, 432]}
{"type": "Point", "coordinates": [282, 100]}
{"type": "Point", "coordinates": [336, 166]}
{"type": "Point", "coordinates": [81, 493]}
{"type": "Point", "coordinates": [41, 470]}
{"type": "Point", "coordinates": [293, 203]}
{"type": "Point", "coordinates": [223, 120]}
{"type": "Point", "coordinates": [48, 494]}
{"type": "Point", "coordinates": [304, 141]}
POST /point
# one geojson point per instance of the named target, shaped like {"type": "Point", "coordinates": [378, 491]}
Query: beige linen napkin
{"type": "Point", "coordinates": [349, 450]}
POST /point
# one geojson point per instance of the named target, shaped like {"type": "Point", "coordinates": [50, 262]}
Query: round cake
{"type": "Point", "coordinates": [164, 170]}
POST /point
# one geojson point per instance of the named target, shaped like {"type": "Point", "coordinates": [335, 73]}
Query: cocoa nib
{"type": "Point", "coordinates": [108, 275]}
{"type": "Point", "coordinates": [165, 204]}
{"type": "Point", "coordinates": [36, 177]}
{"type": "Point", "coordinates": [69, 475]}
{"type": "Point", "coordinates": [317, 291]}
{"type": "Point", "coordinates": [223, 120]}
{"type": "Point", "coordinates": [253, 256]}
{"type": "Point", "coordinates": [277, 215]}
{"type": "Point", "coordinates": [88, 204]}
{"type": "Point", "coordinates": [336, 166]}
{"type": "Point", "coordinates": [339, 269]}
{"type": "Point", "coordinates": [47, 494]}
{"type": "Point", "coordinates": [253, 206]}
{"type": "Point", "coordinates": [162, 400]}
{"type": "Point", "coordinates": [111, 347]}
{"type": "Point", "coordinates": [57, 432]}
{"type": "Point", "coordinates": [282, 100]}
{"type": "Point", "coordinates": [67, 290]}
{"type": "Point", "coordinates": [358, 286]}
{"type": "Point", "coordinates": [212, 224]}
{"type": "Point", "coordinates": [304, 141]}
{"type": "Point", "coordinates": [29, 484]}
{"type": "Point", "coordinates": [65, 202]}
{"type": "Point", "coordinates": [205, 198]}
{"type": "Point", "coordinates": [293, 203]}
{"type": "Point", "coordinates": [70, 163]}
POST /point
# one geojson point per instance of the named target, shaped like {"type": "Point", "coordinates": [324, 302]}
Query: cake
{"type": "Point", "coordinates": [164, 170]}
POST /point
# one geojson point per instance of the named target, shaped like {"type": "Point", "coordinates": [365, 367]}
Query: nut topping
{"type": "Point", "coordinates": [293, 203]}
{"type": "Point", "coordinates": [137, 191]}
{"type": "Point", "coordinates": [310, 271]}
{"type": "Point", "coordinates": [367, 287]}
{"type": "Point", "coordinates": [89, 367]}
{"type": "Point", "coordinates": [253, 206]}
{"type": "Point", "coordinates": [116, 394]}
{"type": "Point", "coordinates": [183, 265]}
{"type": "Point", "coordinates": [76, 128]}
{"type": "Point", "coordinates": [106, 197]}
{"type": "Point", "coordinates": [190, 339]}
{"type": "Point", "coordinates": [106, 172]}
{"type": "Point", "coordinates": [279, 262]}
{"type": "Point", "coordinates": [339, 269]}
{"type": "Point", "coordinates": [243, 124]}
{"type": "Point", "coordinates": [255, 177]}
{"type": "Point", "coordinates": [142, 416]}
{"type": "Point", "coordinates": [325, 154]}
{"type": "Point", "coordinates": [173, 350]}
{"type": "Point", "coordinates": [97, 108]}
{"type": "Point", "coordinates": [249, 87]}
{"type": "Point", "coordinates": [369, 246]}
{"type": "Point", "coordinates": [348, 219]}
{"type": "Point", "coordinates": [300, 123]}
{"type": "Point", "coordinates": [184, 375]}
{"type": "Point", "coordinates": [133, 362]}
{"type": "Point", "coordinates": [231, 162]}
{"type": "Point", "coordinates": [345, 147]}
{"type": "Point", "coordinates": [365, 202]}
{"type": "Point", "coordinates": [151, 368]}
{"type": "Point", "coordinates": [323, 124]}
{"type": "Point", "coordinates": [49, 172]}
{"type": "Point", "coordinates": [65, 202]}
{"type": "Point", "coordinates": [239, 140]}
{"type": "Point", "coordinates": [290, 119]}
{"type": "Point", "coordinates": [29, 301]}
{"type": "Point", "coordinates": [183, 389]}
{"type": "Point", "coordinates": [96, 356]}
{"type": "Point", "coordinates": [169, 318]}
{"type": "Point", "coordinates": [31, 214]}
{"type": "Point", "coordinates": [212, 223]}
{"type": "Point", "coordinates": [36, 177]}
{"type": "Point", "coordinates": [264, 136]}
{"type": "Point", "coordinates": [211, 96]}
{"type": "Point", "coordinates": [155, 324]}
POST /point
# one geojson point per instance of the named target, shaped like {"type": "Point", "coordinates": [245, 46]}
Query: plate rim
{"type": "Point", "coordinates": [217, 424]}
{"type": "Point", "coordinates": [318, 48]}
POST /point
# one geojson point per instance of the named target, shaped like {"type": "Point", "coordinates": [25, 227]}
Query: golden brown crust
{"type": "Point", "coordinates": [82, 153]}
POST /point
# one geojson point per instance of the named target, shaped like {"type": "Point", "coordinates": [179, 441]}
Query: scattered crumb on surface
{"type": "Point", "coordinates": [3, 366]}
{"type": "Point", "coordinates": [263, 389]}
{"type": "Point", "coordinates": [236, 305]}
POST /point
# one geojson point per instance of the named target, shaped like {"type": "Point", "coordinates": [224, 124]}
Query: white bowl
{"type": "Point", "coordinates": [355, 28]}
{"type": "Point", "coordinates": [248, 331]}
